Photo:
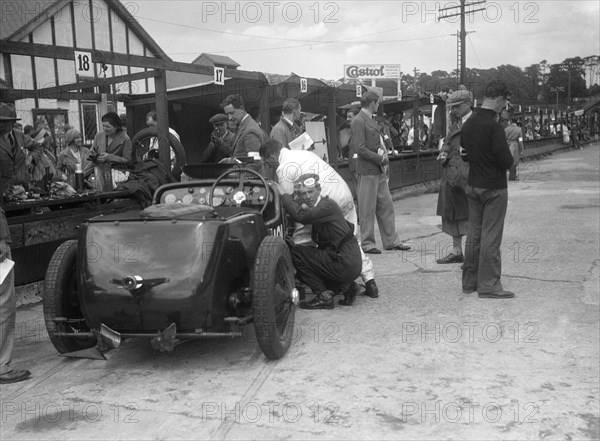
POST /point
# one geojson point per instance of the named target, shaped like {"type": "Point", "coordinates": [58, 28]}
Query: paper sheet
{"type": "Point", "coordinates": [302, 142]}
{"type": "Point", "coordinates": [5, 268]}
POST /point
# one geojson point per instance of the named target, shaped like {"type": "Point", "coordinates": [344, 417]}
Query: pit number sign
{"type": "Point", "coordinates": [83, 63]}
{"type": "Point", "coordinates": [303, 85]}
{"type": "Point", "coordinates": [219, 76]}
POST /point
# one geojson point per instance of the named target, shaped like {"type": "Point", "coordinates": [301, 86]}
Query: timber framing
{"type": "Point", "coordinates": [105, 57]}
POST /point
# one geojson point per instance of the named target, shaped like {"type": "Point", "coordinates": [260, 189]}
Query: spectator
{"type": "Point", "coordinates": [13, 167]}
{"type": "Point", "coordinates": [374, 198]}
{"type": "Point", "coordinates": [287, 128]}
{"type": "Point", "coordinates": [221, 140]}
{"type": "Point", "coordinates": [514, 137]}
{"type": "Point", "coordinates": [249, 136]}
{"type": "Point", "coordinates": [74, 155]}
{"type": "Point", "coordinates": [486, 150]}
{"type": "Point", "coordinates": [8, 307]}
{"type": "Point", "coordinates": [452, 200]}
{"type": "Point", "coordinates": [111, 144]}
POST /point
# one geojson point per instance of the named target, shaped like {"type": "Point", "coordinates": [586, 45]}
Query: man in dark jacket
{"type": "Point", "coordinates": [487, 152]}
{"type": "Point", "coordinates": [249, 136]}
{"type": "Point", "coordinates": [13, 168]}
{"type": "Point", "coordinates": [332, 267]}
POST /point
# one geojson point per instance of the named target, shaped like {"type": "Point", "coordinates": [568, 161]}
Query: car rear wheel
{"type": "Point", "coordinates": [142, 141]}
{"type": "Point", "coordinates": [272, 303]}
{"type": "Point", "coordinates": [61, 300]}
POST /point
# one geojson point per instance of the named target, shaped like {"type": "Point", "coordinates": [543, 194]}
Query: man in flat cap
{"type": "Point", "coordinates": [485, 147]}
{"type": "Point", "coordinates": [221, 140]}
{"type": "Point", "coordinates": [13, 168]}
{"type": "Point", "coordinates": [452, 201]}
{"type": "Point", "coordinates": [332, 267]}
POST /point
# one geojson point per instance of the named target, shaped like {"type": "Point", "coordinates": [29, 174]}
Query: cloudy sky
{"type": "Point", "coordinates": [316, 38]}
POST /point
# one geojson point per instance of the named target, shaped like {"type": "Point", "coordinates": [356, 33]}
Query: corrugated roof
{"type": "Point", "coordinates": [177, 80]}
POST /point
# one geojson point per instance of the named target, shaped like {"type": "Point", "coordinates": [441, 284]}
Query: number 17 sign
{"type": "Point", "coordinates": [219, 76]}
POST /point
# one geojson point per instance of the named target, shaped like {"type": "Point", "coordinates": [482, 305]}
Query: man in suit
{"type": "Point", "coordinates": [249, 135]}
{"type": "Point", "coordinates": [452, 200]}
{"type": "Point", "coordinates": [486, 150]}
{"type": "Point", "coordinates": [286, 129]}
{"type": "Point", "coordinates": [8, 308]}
{"type": "Point", "coordinates": [13, 168]}
{"type": "Point", "coordinates": [374, 198]}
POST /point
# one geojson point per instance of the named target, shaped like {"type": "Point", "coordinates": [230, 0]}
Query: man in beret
{"type": "Point", "coordinates": [13, 168]}
{"type": "Point", "coordinates": [331, 267]}
{"type": "Point", "coordinates": [452, 201]}
{"type": "Point", "coordinates": [221, 140]}
{"type": "Point", "coordinates": [8, 308]}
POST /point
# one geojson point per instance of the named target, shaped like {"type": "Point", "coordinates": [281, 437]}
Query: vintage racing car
{"type": "Point", "coordinates": [205, 260]}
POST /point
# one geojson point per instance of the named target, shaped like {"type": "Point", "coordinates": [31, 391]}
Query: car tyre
{"type": "Point", "coordinates": [61, 299]}
{"type": "Point", "coordinates": [272, 305]}
{"type": "Point", "coordinates": [140, 143]}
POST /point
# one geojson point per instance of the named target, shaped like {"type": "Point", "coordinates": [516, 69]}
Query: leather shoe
{"type": "Point", "coordinates": [371, 289]}
{"type": "Point", "coordinates": [14, 376]}
{"type": "Point", "coordinates": [319, 302]}
{"type": "Point", "coordinates": [469, 290]}
{"type": "Point", "coordinates": [502, 294]}
{"type": "Point", "coordinates": [451, 258]}
{"type": "Point", "coordinates": [400, 247]}
{"type": "Point", "coordinates": [350, 295]}
{"type": "Point", "coordinates": [373, 251]}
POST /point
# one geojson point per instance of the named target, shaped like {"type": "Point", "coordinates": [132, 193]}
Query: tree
{"type": "Point", "coordinates": [570, 75]}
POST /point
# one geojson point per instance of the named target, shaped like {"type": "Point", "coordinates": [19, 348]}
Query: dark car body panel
{"type": "Point", "coordinates": [205, 256]}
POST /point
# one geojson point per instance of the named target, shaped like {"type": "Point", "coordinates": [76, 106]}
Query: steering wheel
{"type": "Point", "coordinates": [239, 196]}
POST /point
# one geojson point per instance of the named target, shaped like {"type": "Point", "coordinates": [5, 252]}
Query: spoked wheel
{"type": "Point", "coordinates": [274, 297]}
{"type": "Point", "coordinates": [61, 301]}
{"type": "Point", "coordinates": [146, 139]}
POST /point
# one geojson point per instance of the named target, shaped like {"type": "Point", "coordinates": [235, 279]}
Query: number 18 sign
{"type": "Point", "coordinates": [83, 63]}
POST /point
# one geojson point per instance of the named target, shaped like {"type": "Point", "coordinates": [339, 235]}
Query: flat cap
{"type": "Point", "coordinates": [459, 97]}
{"type": "Point", "coordinates": [218, 118]}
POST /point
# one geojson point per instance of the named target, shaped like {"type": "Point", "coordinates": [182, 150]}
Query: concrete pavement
{"type": "Point", "coordinates": [423, 361]}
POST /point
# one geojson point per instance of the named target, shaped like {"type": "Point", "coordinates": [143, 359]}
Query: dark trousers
{"type": "Point", "coordinates": [483, 261]}
{"type": "Point", "coordinates": [324, 270]}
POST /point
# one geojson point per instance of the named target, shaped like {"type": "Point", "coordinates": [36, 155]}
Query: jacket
{"type": "Point", "coordinates": [13, 169]}
{"type": "Point", "coordinates": [487, 151]}
{"type": "Point", "coordinates": [248, 138]}
{"type": "Point", "coordinates": [284, 132]}
{"type": "Point", "coordinates": [365, 142]}
{"type": "Point", "coordinates": [119, 149]}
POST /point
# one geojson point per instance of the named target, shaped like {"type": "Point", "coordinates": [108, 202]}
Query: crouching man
{"type": "Point", "coordinates": [330, 268]}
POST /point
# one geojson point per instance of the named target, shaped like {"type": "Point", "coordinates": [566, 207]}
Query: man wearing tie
{"type": "Point", "coordinates": [374, 198]}
{"type": "Point", "coordinates": [249, 136]}
{"type": "Point", "coordinates": [13, 169]}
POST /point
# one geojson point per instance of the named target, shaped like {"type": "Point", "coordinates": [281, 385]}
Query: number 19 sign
{"type": "Point", "coordinates": [83, 63]}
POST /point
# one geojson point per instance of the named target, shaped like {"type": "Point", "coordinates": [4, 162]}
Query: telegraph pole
{"type": "Point", "coordinates": [461, 50]}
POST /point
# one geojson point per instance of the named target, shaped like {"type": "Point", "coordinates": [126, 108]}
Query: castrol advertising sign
{"type": "Point", "coordinates": [371, 71]}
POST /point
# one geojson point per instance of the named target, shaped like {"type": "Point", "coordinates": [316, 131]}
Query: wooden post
{"type": "Point", "coordinates": [162, 118]}
{"type": "Point", "coordinates": [265, 114]}
{"type": "Point", "coordinates": [332, 126]}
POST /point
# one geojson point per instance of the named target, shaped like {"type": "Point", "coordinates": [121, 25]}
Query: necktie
{"type": "Point", "coordinates": [13, 144]}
